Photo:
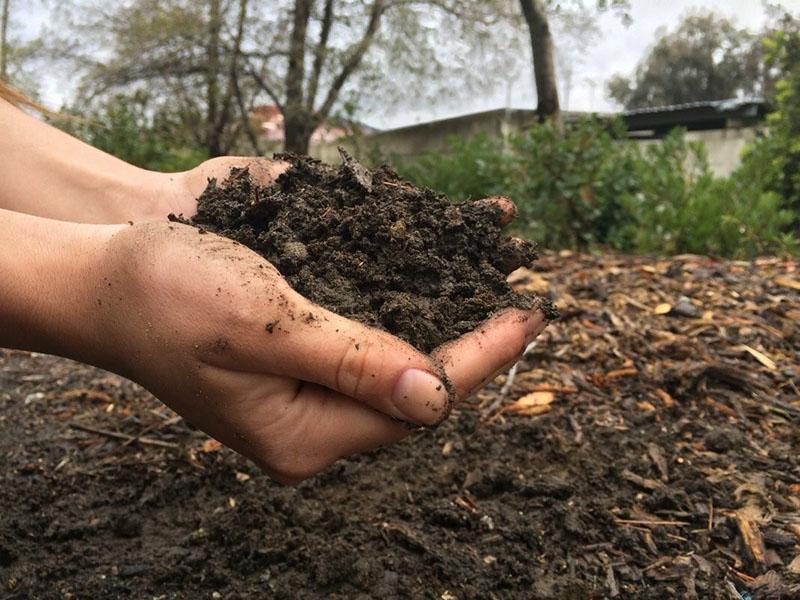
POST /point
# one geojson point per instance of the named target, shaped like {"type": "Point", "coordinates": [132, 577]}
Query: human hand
{"type": "Point", "coordinates": [214, 331]}
{"type": "Point", "coordinates": [178, 192]}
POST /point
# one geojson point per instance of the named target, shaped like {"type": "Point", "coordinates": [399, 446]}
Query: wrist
{"type": "Point", "coordinates": [50, 272]}
{"type": "Point", "coordinates": [90, 186]}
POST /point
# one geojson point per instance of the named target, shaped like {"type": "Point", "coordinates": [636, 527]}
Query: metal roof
{"type": "Point", "coordinates": [709, 114]}
{"type": "Point", "coordinates": [719, 105]}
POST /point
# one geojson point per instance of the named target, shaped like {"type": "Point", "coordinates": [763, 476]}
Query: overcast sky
{"type": "Point", "coordinates": [618, 51]}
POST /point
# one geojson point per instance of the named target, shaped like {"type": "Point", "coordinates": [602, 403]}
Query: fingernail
{"type": "Point", "coordinates": [419, 397]}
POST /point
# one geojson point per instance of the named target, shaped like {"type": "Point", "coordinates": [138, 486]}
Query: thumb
{"type": "Point", "coordinates": [369, 365]}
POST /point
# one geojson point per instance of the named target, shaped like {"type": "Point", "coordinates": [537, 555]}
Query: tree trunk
{"type": "Point", "coordinates": [213, 133]}
{"type": "Point", "coordinates": [4, 40]}
{"type": "Point", "coordinates": [297, 131]}
{"type": "Point", "coordinates": [544, 69]}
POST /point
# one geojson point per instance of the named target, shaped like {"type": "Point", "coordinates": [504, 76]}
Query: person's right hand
{"type": "Point", "coordinates": [214, 331]}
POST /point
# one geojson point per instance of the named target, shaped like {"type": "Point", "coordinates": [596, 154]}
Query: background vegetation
{"type": "Point", "coordinates": [168, 84]}
{"type": "Point", "coordinates": [585, 187]}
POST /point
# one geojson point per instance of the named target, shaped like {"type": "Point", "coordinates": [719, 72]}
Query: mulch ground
{"type": "Point", "coordinates": [647, 447]}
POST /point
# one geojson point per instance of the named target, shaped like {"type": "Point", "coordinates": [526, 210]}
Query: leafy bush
{"type": "Point", "coordinates": [679, 206]}
{"type": "Point", "coordinates": [569, 186]}
{"type": "Point", "coordinates": [586, 186]}
{"type": "Point", "coordinates": [773, 162]}
{"type": "Point", "coordinates": [472, 168]}
{"type": "Point", "coordinates": [127, 127]}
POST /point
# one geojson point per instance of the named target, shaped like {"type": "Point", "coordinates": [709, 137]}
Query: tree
{"type": "Point", "coordinates": [705, 58]}
{"type": "Point", "coordinates": [544, 70]}
{"type": "Point", "coordinates": [310, 58]}
{"type": "Point", "coordinates": [186, 54]}
{"type": "Point", "coordinates": [537, 18]}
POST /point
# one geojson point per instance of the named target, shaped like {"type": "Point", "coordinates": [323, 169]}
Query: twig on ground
{"type": "Point", "coordinates": [123, 436]}
{"type": "Point", "coordinates": [506, 389]}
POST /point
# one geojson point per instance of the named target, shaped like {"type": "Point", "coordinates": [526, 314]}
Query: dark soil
{"type": "Point", "coordinates": [667, 466]}
{"type": "Point", "coordinates": [372, 247]}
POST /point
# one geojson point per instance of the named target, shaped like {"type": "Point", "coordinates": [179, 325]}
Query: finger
{"type": "Point", "coordinates": [472, 360]}
{"type": "Point", "coordinates": [313, 344]}
{"type": "Point", "coordinates": [513, 254]}
{"type": "Point", "coordinates": [263, 171]}
{"type": "Point", "coordinates": [498, 209]}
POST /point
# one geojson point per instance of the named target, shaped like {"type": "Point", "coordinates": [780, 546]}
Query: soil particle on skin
{"type": "Point", "coordinates": [369, 246]}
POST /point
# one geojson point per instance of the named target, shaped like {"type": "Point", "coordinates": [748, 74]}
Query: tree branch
{"type": "Point", "coordinates": [262, 82]}
{"type": "Point", "coordinates": [244, 115]}
{"type": "Point", "coordinates": [233, 66]}
{"type": "Point", "coordinates": [320, 54]}
{"type": "Point", "coordinates": [212, 83]}
{"type": "Point", "coordinates": [295, 73]}
{"type": "Point", "coordinates": [352, 63]}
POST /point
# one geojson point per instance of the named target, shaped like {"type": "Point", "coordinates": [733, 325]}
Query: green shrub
{"type": "Point", "coordinates": [679, 206]}
{"type": "Point", "coordinates": [128, 128]}
{"type": "Point", "coordinates": [471, 168]}
{"type": "Point", "coordinates": [772, 163]}
{"type": "Point", "coordinates": [569, 186]}
{"type": "Point", "coordinates": [587, 187]}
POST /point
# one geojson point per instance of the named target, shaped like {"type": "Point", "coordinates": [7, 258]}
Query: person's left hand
{"type": "Point", "coordinates": [178, 192]}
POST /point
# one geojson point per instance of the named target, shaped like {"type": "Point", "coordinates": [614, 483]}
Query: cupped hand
{"type": "Point", "coordinates": [215, 332]}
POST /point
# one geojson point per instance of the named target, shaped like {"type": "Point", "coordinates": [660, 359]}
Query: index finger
{"type": "Point", "coordinates": [472, 360]}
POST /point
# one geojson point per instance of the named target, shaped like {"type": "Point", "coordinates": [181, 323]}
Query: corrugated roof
{"type": "Point", "coordinates": [728, 104]}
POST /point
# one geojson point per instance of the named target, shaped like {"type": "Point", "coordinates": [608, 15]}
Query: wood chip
{"type": "Point", "coordinates": [751, 536]}
{"type": "Point", "coordinates": [793, 284]}
{"type": "Point", "coordinates": [211, 445]}
{"type": "Point", "coordinates": [662, 309]}
{"type": "Point", "coordinates": [535, 403]}
{"type": "Point", "coordinates": [760, 357]}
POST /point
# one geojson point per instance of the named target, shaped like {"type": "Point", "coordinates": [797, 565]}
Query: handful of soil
{"type": "Point", "coordinates": [372, 247]}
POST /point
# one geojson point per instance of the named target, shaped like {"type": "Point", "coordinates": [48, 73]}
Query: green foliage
{"type": "Point", "coordinates": [679, 206]}
{"type": "Point", "coordinates": [128, 128]}
{"type": "Point", "coordinates": [569, 185]}
{"type": "Point", "coordinates": [588, 187]}
{"type": "Point", "coordinates": [773, 162]}
{"type": "Point", "coordinates": [471, 168]}
{"type": "Point", "coordinates": [705, 58]}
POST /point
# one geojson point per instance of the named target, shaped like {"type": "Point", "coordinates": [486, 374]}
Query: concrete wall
{"type": "Point", "coordinates": [724, 146]}
{"type": "Point", "coordinates": [425, 137]}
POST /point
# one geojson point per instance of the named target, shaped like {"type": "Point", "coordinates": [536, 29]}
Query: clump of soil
{"type": "Point", "coordinates": [370, 246]}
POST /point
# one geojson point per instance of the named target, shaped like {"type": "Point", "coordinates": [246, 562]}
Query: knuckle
{"type": "Point", "coordinates": [351, 370]}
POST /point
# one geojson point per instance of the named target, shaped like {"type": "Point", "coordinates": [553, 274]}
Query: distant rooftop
{"type": "Point", "coordinates": [711, 114]}
{"type": "Point", "coordinates": [641, 122]}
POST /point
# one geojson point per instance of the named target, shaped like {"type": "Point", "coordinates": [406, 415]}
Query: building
{"type": "Point", "coordinates": [724, 126]}
{"type": "Point", "coordinates": [268, 122]}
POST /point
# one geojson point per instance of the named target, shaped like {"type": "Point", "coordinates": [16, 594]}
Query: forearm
{"type": "Point", "coordinates": [47, 173]}
{"type": "Point", "coordinates": [50, 272]}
